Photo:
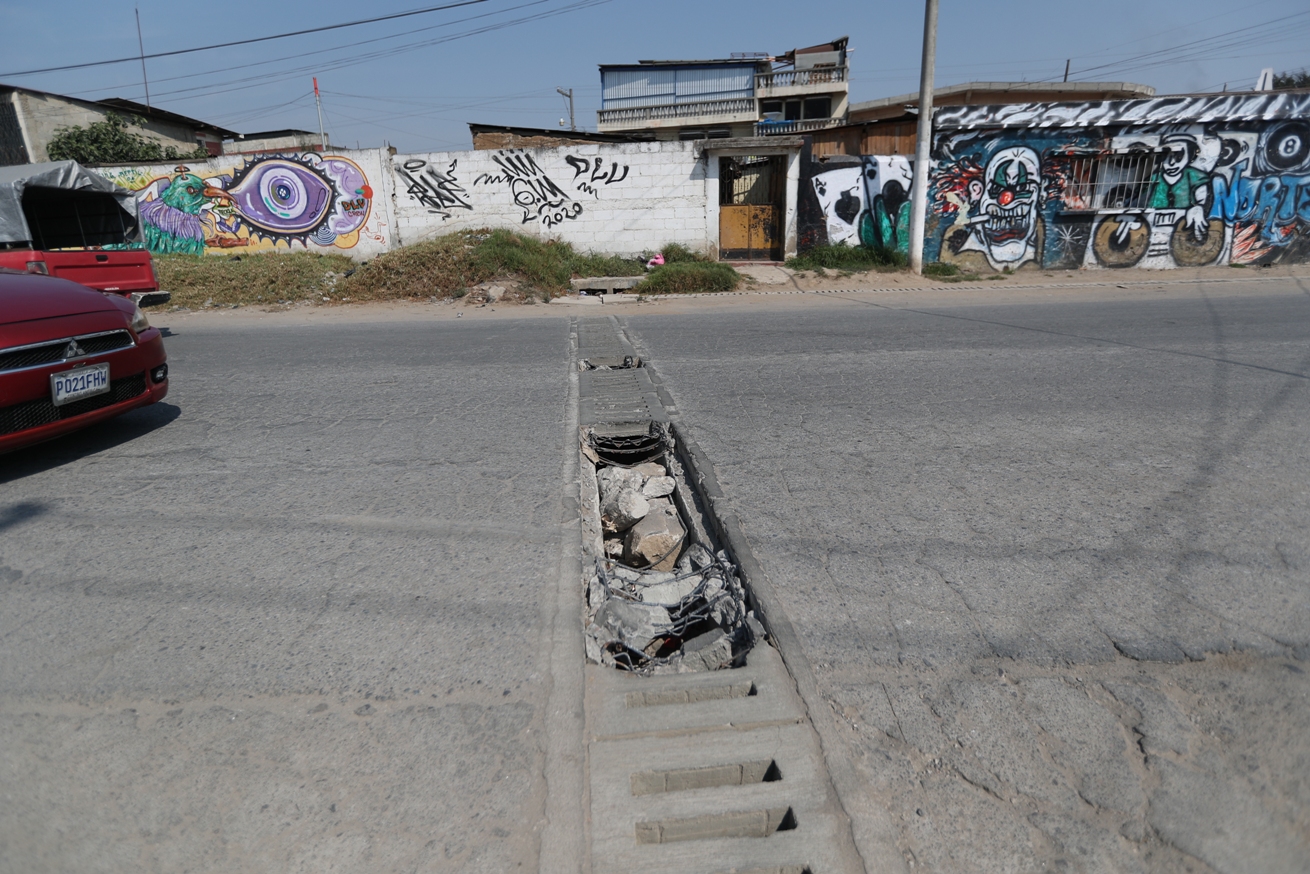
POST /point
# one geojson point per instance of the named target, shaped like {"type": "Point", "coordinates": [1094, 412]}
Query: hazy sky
{"type": "Point", "coordinates": [417, 81]}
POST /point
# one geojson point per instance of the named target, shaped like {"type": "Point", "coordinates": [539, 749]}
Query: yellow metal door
{"type": "Point", "coordinates": [748, 232]}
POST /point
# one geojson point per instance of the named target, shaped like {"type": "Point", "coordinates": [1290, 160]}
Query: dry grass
{"type": "Point", "coordinates": [250, 279]}
{"type": "Point", "coordinates": [446, 267]}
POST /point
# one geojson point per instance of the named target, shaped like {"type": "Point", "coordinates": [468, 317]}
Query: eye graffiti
{"type": "Point", "coordinates": [307, 198]}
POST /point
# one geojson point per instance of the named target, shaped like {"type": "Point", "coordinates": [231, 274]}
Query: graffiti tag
{"type": "Point", "coordinates": [595, 172]}
{"type": "Point", "coordinates": [437, 191]}
{"type": "Point", "coordinates": [534, 192]}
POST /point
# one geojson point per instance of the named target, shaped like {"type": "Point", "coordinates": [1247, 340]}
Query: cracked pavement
{"type": "Point", "coordinates": [1045, 550]}
{"type": "Point", "coordinates": [1049, 558]}
{"type": "Point", "coordinates": [289, 619]}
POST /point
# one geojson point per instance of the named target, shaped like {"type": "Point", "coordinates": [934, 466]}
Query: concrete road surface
{"type": "Point", "coordinates": [291, 618]}
{"type": "Point", "coordinates": [1050, 560]}
{"type": "Point", "coordinates": [1047, 551]}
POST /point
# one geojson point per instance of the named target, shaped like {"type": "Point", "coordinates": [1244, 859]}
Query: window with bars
{"type": "Point", "coordinates": [1108, 181]}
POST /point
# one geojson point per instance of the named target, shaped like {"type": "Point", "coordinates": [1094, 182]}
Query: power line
{"type": "Point", "coordinates": [354, 45]}
{"type": "Point", "coordinates": [238, 84]}
{"type": "Point", "coordinates": [243, 42]}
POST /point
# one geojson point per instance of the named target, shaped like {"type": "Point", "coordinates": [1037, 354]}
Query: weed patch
{"type": "Point", "coordinates": [682, 277]}
{"type": "Point", "coordinates": [251, 279]}
{"type": "Point", "coordinates": [853, 258]}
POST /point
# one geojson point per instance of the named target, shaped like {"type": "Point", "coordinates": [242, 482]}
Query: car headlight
{"type": "Point", "coordinates": [139, 321]}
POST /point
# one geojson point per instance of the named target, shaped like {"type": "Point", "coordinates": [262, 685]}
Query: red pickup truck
{"type": "Point", "coordinates": [64, 220]}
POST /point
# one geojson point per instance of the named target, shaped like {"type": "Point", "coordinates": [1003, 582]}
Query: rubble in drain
{"type": "Point", "coordinates": [627, 362]}
{"type": "Point", "coordinates": [662, 596]}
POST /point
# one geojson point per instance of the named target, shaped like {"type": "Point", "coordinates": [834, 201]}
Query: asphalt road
{"type": "Point", "coordinates": [1049, 558]}
{"type": "Point", "coordinates": [289, 619]}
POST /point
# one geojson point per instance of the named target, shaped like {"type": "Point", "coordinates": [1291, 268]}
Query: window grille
{"type": "Point", "coordinates": [1109, 181]}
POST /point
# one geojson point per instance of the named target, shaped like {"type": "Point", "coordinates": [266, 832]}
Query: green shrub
{"type": "Point", "coordinates": [682, 277]}
{"type": "Point", "coordinates": [940, 268]}
{"type": "Point", "coordinates": [844, 257]}
{"type": "Point", "coordinates": [676, 253]}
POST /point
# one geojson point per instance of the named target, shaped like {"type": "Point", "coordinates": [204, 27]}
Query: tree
{"type": "Point", "coordinates": [1290, 80]}
{"type": "Point", "coordinates": [111, 142]}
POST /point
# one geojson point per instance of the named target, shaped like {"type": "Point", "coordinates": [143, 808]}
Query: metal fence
{"type": "Point", "coordinates": [1113, 181]}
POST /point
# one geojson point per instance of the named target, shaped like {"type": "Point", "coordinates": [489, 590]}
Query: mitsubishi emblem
{"type": "Point", "coordinates": [72, 350]}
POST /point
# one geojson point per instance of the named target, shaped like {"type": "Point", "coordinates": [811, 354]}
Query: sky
{"type": "Point", "coordinates": [416, 82]}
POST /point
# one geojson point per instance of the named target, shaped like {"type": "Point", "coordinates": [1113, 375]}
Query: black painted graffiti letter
{"type": "Point", "coordinates": [437, 191]}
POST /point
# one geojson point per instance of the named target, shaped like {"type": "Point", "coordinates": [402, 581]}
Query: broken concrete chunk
{"type": "Point", "coordinates": [652, 578]}
{"type": "Point", "coordinates": [699, 557]}
{"type": "Point", "coordinates": [636, 625]}
{"type": "Point", "coordinates": [614, 547]}
{"type": "Point", "coordinates": [495, 293]}
{"type": "Point", "coordinates": [649, 469]}
{"type": "Point", "coordinates": [659, 487]}
{"type": "Point", "coordinates": [708, 652]}
{"type": "Point", "coordinates": [656, 539]}
{"type": "Point", "coordinates": [668, 594]}
{"type": "Point", "coordinates": [621, 501]}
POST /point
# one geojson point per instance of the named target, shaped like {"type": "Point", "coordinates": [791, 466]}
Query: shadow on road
{"type": "Point", "coordinates": [79, 444]}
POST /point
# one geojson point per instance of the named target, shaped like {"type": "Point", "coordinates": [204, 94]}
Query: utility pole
{"type": "Point", "coordinates": [923, 143]}
{"type": "Point", "coordinates": [569, 95]}
{"type": "Point", "coordinates": [319, 103]}
{"type": "Point", "coordinates": [142, 47]}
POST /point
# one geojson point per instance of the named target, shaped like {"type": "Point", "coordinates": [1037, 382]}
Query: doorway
{"type": "Point", "coordinates": [752, 203]}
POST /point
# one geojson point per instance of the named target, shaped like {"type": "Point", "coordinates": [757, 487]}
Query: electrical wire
{"type": "Point", "coordinates": [243, 42]}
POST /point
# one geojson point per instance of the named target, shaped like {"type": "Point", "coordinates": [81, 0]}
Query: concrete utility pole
{"type": "Point", "coordinates": [322, 137]}
{"type": "Point", "coordinates": [923, 143]}
{"type": "Point", "coordinates": [569, 95]}
{"type": "Point", "coordinates": [140, 44]}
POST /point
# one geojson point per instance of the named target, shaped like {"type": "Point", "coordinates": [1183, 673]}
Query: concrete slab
{"type": "Point", "coordinates": [766, 274]}
{"type": "Point", "coordinates": [605, 283]}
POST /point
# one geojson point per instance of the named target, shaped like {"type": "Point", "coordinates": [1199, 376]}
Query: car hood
{"type": "Point", "coordinates": [26, 297]}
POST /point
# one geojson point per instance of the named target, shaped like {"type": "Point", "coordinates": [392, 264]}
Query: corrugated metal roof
{"type": "Point", "coordinates": [1250, 106]}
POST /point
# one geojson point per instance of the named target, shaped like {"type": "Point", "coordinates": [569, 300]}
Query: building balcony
{"type": "Point", "coordinates": [793, 83]}
{"type": "Point", "coordinates": [716, 112]}
{"type": "Point", "coordinates": [776, 128]}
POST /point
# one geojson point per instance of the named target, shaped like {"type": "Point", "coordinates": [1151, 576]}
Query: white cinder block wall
{"type": "Point", "coordinates": [613, 198]}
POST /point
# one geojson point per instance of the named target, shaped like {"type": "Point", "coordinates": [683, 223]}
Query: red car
{"type": "Point", "coordinates": [71, 357]}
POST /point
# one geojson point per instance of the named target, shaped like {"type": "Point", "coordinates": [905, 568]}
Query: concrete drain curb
{"type": "Point", "coordinates": [699, 759]}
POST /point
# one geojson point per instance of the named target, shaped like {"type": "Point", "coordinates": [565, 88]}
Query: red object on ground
{"type": "Point", "coordinates": [71, 357]}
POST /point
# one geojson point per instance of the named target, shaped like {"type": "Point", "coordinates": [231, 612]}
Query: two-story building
{"type": "Point", "coordinates": [742, 96]}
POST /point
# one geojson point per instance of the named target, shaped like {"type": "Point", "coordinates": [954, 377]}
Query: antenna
{"type": "Point", "coordinates": [569, 96]}
{"type": "Point", "coordinates": [141, 46]}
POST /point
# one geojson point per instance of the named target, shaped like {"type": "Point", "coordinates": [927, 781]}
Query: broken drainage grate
{"type": "Point", "coordinates": [662, 595]}
{"type": "Point", "coordinates": [627, 362]}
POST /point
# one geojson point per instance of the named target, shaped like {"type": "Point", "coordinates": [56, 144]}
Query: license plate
{"type": "Point", "coordinates": [81, 382]}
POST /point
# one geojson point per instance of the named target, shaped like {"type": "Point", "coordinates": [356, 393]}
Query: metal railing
{"type": "Point", "coordinates": [641, 114]}
{"type": "Point", "coordinates": [800, 78]}
{"type": "Point", "coordinates": [1109, 181]}
{"type": "Point", "coordinates": [775, 128]}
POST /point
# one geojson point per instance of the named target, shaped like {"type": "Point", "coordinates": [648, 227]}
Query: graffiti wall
{"type": "Point", "coordinates": [1166, 182]}
{"type": "Point", "coordinates": [1177, 182]}
{"type": "Point", "coordinates": [856, 201]}
{"type": "Point", "coordinates": [286, 202]}
{"type": "Point", "coordinates": [622, 198]}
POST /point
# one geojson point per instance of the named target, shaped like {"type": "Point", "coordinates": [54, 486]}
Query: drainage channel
{"type": "Point", "coordinates": [701, 758]}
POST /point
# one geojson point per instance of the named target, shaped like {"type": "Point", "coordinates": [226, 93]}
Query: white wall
{"type": "Point", "coordinates": [612, 198]}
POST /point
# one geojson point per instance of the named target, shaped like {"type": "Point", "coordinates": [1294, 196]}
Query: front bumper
{"type": "Point", "coordinates": [28, 416]}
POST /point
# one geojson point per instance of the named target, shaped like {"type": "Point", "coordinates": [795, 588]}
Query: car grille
{"type": "Point", "coordinates": [53, 352]}
{"type": "Point", "coordinates": [30, 414]}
